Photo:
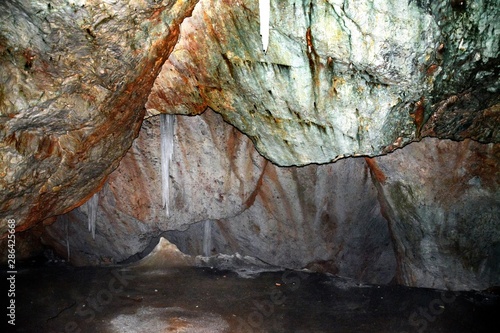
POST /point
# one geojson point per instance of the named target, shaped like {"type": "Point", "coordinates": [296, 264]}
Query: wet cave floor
{"type": "Point", "coordinates": [188, 299]}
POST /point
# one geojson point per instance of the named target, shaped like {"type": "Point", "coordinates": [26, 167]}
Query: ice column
{"type": "Point", "coordinates": [92, 213]}
{"type": "Point", "coordinates": [167, 149]}
{"type": "Point", "coordinates": [264, 14]}
{"type": "Point", "coordinates": [207, 238]}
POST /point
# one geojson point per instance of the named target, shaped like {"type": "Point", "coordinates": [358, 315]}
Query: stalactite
{"type": "Point", "coordinates": [264, 15]}
{"type": "Point", "coordinates": [92, 213]}
{"type": "Point", "coordinates": [167, 149]}
{"type": "Point", "coordinates": [207, 238]}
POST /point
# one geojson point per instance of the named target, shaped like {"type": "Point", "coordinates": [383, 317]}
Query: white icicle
{"type": "Point", "coordinates": [207, 238]}
{"type": "Point", "coordinates": [167, 150]}
{"type": "Point", "coordinates": [92, 213]}
{"type": "Point", "coordinates": [264, 15]}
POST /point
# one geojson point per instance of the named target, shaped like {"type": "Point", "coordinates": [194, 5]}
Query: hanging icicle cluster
{"type": "Point", "coordinates": [92, 213]}
{"type": "Point", "coordinates": [167, 150]}
{"type": "Point", "coordinates": [264, 15]}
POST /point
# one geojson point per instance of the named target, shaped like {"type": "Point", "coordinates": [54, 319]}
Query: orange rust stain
{"type": "Point", "coordinates": [375, 170]}
{"type": "Point", "coordinates": [48, 147]}
{"type": "Point", "coordinates": [29, 56]}
{"type": "Point", "coordinates": [432, 69]}
{"type": "Point", "coordinates": [310, 45]}
{"type": "Point", "coordinates": [418, 116]}
{"type": "Point", "coordinates": [140, 199]}
{"type": "Point", "coordinates": [87, 198]}
{"type": "Point", "coordinates": [176, 324]}
{"type": "Point", "coordinates": [251, 199]}
{"type": "Point", "coordinates": [49, 221]}
{"type": "Point", "coordinates": [156, 15]}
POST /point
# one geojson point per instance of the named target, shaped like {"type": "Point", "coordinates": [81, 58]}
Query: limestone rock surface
{"type": "Point", "coordinates": [340, 78]}
{"type": "Point", "coordinates": [425, 215]}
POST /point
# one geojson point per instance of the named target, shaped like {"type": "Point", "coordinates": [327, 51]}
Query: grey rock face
{"type": "Point", "coordinates": [442, 200]}
{"type": "Point", "coordinates": [340, 78]}
{"type": "Point", "coordinates": [425, 215]}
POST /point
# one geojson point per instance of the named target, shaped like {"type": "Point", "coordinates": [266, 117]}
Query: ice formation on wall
{"type": "Point", "coordinates": [264, 14]}
{"type": "Point", "coordinates": [207, 238]}
{"type": "Point", "coordinates": [167, 149]}
{"type": "Point", "coordinates": [92, 213]}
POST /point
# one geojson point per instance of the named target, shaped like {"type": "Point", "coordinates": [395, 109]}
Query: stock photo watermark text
{"type": "Point", "coordinates": [11, 272]}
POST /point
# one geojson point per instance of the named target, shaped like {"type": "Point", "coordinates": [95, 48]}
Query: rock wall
{"type": "Point", "coordinates": [442, 200]}
{"type": "Point", "coordinates": [416, 215]}
{"type": "Point", "coordinates": [289, 217]}
{"type": "Point", "coordinates": [340, 78]}
{"type": "Point", "coordinates": [74, 77]}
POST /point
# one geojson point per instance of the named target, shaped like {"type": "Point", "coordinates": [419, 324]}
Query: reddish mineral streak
{"type": "Point", "coordinates": [126, 112]}
{"type": "Point", "coordinates": [375, 170]}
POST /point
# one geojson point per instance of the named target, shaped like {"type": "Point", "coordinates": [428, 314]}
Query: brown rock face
{"type": "Point", "coordinates": [74, 79]}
